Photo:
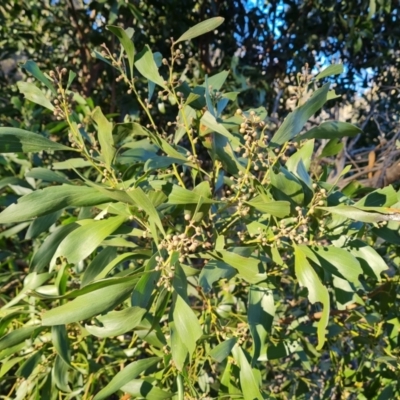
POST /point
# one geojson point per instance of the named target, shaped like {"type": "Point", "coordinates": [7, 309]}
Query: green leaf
{"type": "Point", "coordinates": [281, 350]}
{"type": "Point", "coordinates": [71, 77]}
{"type": "Point", "coordinates": [179, 350]}
{"type": "Point", "coordinates": [142, 201]}
{"type": "Point", "coordinates": [143, 388]}
{"type": "Point", "coordinates": [363, 214]}
{"type": "Point", "coordinates": [131, 371]}
{"type": "Point", "coordinates": [84, 240]}
{"type": "Point", "coordinates": [72, 163]}
{"type": "Point", "coordinates": [102, 259]}
{"type": "Point", "coordinates": [334, 69]}
{"type": "Point", "coordinates": [15, 140]}
{"type": "Point", "coordinates": [104, 134]}
{"type": "Point", "coordinates": [19, 335]}
{"type": "Point", "coordinates": [250, 269]}
{"type": "Point", "coordinates": [317, 292]}
{"type": "Point", "coordinates": [371, 262]}
{"type": "Point", "coordinates": [186, 323]}
{"type": "Point", "coordinates": [46, 175]}
{"type": "Point", "coordinates": [116, 323]}
{"type": "Point", "coordinates": [59, 336]}
{"type": "Point", "coordinates": [46, 251]}
{"type": "Point", "coordinates": [90, 304]}
{"type": "Point", "coordinates": [32, 67]}
{"type": "Point", "coordinates": [263, 203]}
{"type": "Point", "coordinates": [295, 121]}
{"type": "Point", "coordinates": [59, 374]}
{"type": "Point", "coordinates": [335, 260]}
{"type": "Point", "coordinates": [34, 94]}
{"type": "Point", "coordinates": [261, 313]}
{"type": "Point", "coordinates": [331, 130]}
{"type": "Point", "coordinates": [51, 199]}
{"type": "Point", "coordinates": [179, 195]}
{"type": "Point", "coordinates": [213, 271]}
{"type": "Point", "coordinates": [384, 197]}
{"type": "Point", "coordinates": [42, 224]}
{"type": "Point", "coordinates": [200, 29]}
{"type": "Point", "coordinates": [147, 67]}
{"type": "Point", "coordinates": [26, 369]}
{"type": "Point", "coordinates": [221, 351]}
{"type": "Point", "coordinates": [144, 288]}
{"type": "Point", "coordinates": [287, 187]}
{"type": "Point", "coordinates": [248, 382]}
{"type": "Point", "coordinates": [125, 38]}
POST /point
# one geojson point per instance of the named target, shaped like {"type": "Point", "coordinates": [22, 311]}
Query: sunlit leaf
{"type": "Point", "coordinates": [334, 69]}
{"type": "Point", "coordinates": [15, 140]}
{"type": "Point", "coordinates": [34, 94]}
{"type": "Point", "coordinates": [85, 239]}
{"type": "Point", "coordinates": [131, 371]}
{"type": "Point", "coordinates": [295, 121]}
{"type": "Point", "coordinates": [125, 38]}
{"type": "Point", "coordinates": [317, 292]}
{"type": "Point", "coordinates": [201, 28]}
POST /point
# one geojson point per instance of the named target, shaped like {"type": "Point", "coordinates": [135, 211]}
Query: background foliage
{"type": "Point", "coordinates": [154, 244]}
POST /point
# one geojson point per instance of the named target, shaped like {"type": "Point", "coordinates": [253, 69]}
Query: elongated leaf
{"type": "Point", "coordinates": [287, 187]}
{"type": "Point", "coordinates": [116, 323]}
{"type": "Point", "coordinates": [72, 163]}
{"type": "Point", "coordinates": [280, 209]}
{"type": "Point", "coordinates": [144, 288]}
{"type": "Point", "coordinates": [104, 134]}
{"type": "Point", "coordinates": [142, 388]}
{"type": "Point", "coordinates": [26, 369]}
{"type": "Point", "coordinates": [42, 224]}
{"type": "Point", "coordinates": [295, 121]}
{"type": "Point", "coordinates": [46, 201]}
{"type": "Point", "coordinates": [371, 262]}
{"type": "Point", "coordinates": [331, 130]}
{"type": "Point", "coordinates": [363, 214]}
{"type": "Point", "coordinates": [145, 64]}
{"type": "Point", "coordinates": [261, 312]}
{"type": "Point", "coordinates": [60, 341]}
{"type": "Point", "coordinates": [317, 292]}
{"type": "Point", "coordinates": [142, 201]}
{"type": "Point", "coordinates": [34, 94]}
{"type": "Point", "coordinates": [179, 195]}
{"type": "Point", "coordinates": [385, 197]}
{"type": "Point", "coordinates": [201, 28]}
{"type": "Point", "coordinates": [179, 350]}
{"type": "Point", "coordinates": [213, 271]}
{"type": "Point", "coordinates": [18, 336]}
{"type": "Point", "coordinates": [101, 261]}
{"type": "Point", "coordinates": [85, 239]}
{"type": "Point", "coordinates": [248, 382]}
{"type": "Point", "coordinates": [32, 67]}
{"type": "Point", "coordinates": [131, 371]}
{"type": "Point", "coordinates": [125, 38]}
{"type": "Point", "coordinates": [15, 140]}
{"type": "Point", "coordinates": [59, 374]}
{"type": "Point", "coordinates": [46, 175]}
{"type": "Point", "coordinates": [46, 251]}
{"type": "Point", "coordinates": [249, 268]}
{"type": "Point", "coordinates": [335, 260]}
{"type": "Point", "coordinates": [186, 323]}
{"type": "Point", "coordinates": [334, 69]}
{"type": "Point", "coordinates": [89, 304]}
{"type": "Point", "coordinates": [220, 352]}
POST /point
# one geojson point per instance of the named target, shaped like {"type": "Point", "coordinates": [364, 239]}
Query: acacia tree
{"type": "Point", "coordinates": [207, 256]}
